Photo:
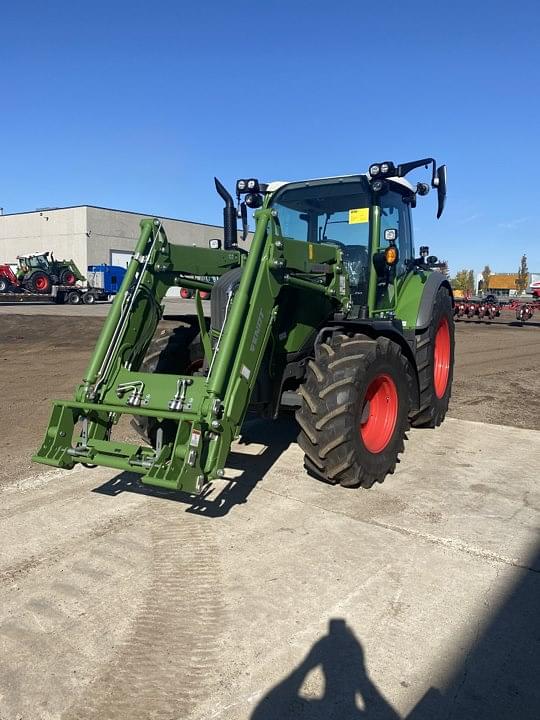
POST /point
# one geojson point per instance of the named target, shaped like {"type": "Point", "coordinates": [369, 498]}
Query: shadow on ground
{"type": "Point", "coordinates": [497, 679]}
{"type": "Point", "coordinates": [236, 492]}
{"type": "Point", "coordinates": [349, 693]}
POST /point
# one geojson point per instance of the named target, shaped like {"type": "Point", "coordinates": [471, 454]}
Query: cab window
{"type": "Point", "coordinates": [395, 213]}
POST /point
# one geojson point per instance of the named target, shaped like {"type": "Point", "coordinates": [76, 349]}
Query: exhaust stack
{"type": "Point", "coordinates": [230, 228]}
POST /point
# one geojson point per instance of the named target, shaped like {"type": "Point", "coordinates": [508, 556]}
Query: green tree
{"type": "Point", "coordinates": [522, 279]}
{"type": "Point", "coordinates": [462, 281]}
{"type": "Point", "coordinates": [486, 275]}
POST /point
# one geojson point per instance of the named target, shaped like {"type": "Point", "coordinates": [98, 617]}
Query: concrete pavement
{"type": "Point", "coordinates": [275, 596]}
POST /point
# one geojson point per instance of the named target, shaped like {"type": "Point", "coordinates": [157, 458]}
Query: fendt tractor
{"type": "Point", "coordinates": [38, 273]}
{"type": "Point", "coordinates": [329, 313]}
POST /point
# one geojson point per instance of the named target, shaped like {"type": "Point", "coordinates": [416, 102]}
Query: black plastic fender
{"type": "Point", "coordinates": [433, 283]}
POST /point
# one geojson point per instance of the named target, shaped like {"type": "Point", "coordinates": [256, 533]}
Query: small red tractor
{"type": "Point", "coordinates": [8, 279]}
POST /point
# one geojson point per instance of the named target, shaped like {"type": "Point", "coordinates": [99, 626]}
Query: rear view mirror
{"type": "Point", "coordinates": [440, 183]}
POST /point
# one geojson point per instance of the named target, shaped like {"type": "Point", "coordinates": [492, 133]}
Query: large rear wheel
{"type": "Point", "coordinates": [435, 363]}
{"type": "Point", "coordinates": [354, 413]}
{"type": "Point", "coordinates": [38, 282]}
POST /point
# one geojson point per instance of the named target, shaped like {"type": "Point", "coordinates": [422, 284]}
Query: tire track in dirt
{"type": "Point", "coordinates": [65, 549]}
{"type": "Point", "coordinates": [168, 660]}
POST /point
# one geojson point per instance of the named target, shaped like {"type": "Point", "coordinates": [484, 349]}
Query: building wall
{"type": "Point", "coordinates": [88, 234]}
{"type": "Point", "coordinates": [62, 231]}
{"type": "Point", "coordinates": [114, 230]}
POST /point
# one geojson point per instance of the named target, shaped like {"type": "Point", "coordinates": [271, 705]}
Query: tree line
{"type": "Point", "coordinates": [464, 279]}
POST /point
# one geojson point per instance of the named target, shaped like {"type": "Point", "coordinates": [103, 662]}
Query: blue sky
{"type": "Point", "coordinates": [136, 105]}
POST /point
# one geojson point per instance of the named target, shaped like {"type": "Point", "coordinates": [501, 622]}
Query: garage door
{"type": "Point", "coordinates": [120, 258]}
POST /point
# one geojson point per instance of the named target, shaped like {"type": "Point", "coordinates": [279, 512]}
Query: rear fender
{"type": "Point", "coordinates": [434, 281]}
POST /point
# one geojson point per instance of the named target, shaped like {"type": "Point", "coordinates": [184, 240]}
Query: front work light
{"type": "Point", "coordinates": [241, 186]}
{"type": "Point", "coordinates": [388, 168]}
{"type": "Point", "coordinates": [374, 170]}
{"type": "Point", "coordinates": [391, 255]}
{"type": "Point", "coordinates": [390, 235]}
{"type": "Point", "coordinates": [215, 244]}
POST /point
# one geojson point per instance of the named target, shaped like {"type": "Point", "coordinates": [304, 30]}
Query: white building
{"type": "Point", "coordinates": [89, 235]}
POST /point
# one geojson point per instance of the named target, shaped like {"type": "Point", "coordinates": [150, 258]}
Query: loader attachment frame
{"type": "Point", "coordinates": [207, 409]}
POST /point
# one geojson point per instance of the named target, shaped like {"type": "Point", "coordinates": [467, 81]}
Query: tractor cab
{"type": "Point", "coordinates": [345, 212]}
{"type": "Point", "coordinates": [367, 217]}
{"type": "Point", "coordinates": [35, 261]}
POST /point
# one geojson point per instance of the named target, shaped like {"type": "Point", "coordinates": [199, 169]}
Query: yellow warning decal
{"type": "Point", "coordinates": [358, 215]}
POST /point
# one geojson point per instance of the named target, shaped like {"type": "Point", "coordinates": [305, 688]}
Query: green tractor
{"type": "Point", "coordinates": [330, 313]}
{"type": "Point", "coordinates": [38, 272]}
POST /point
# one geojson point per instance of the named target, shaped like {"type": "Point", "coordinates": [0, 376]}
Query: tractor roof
{"type": "Point", "coordinates": [278, 184]}
{"type": "Point", "coordinates": [34, 254]}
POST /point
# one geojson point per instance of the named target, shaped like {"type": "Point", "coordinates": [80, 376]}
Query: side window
{"type": "Point", "coordinates": [396, 214]}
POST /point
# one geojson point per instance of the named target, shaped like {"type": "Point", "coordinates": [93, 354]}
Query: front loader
{"type": "Point", "coordinates": [330, 313]}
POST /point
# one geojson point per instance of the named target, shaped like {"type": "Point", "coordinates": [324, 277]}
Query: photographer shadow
{"type": "Point", "coordinates": [349, 692]}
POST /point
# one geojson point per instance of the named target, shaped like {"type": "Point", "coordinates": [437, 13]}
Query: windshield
{"type": "Point", "coordinates": [36, 262]}
{"type": "Point", "coordinates": [334, 213]}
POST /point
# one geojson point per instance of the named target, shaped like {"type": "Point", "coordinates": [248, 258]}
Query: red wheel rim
{"type": "Point", "coordinates": [42, 283]}
{"type": "Point", "coordinates": [184, 294]}
{"type": "Point", "coordinates": [70, 279]}
{"type": "Point", "coordinates": [379, 414]}
{"type": "Point", "coordinates": [441, 358]}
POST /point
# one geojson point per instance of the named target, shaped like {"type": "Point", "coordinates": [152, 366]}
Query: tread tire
{"type": "Point", "coordinates": [332, 404]}
{"type": "Point", "coordinates": [32, 280]}
{"type": "Point", "coordinates": [432, 410]}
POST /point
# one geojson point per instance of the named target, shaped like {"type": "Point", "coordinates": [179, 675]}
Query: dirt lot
{"type": "Point", "coordinates": [44, 356]}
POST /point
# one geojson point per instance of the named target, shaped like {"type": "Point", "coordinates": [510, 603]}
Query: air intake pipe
{"type": "Point", "coordinates": [230, 228]}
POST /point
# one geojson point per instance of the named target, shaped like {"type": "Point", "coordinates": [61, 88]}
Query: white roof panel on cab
{"type": "Point", "coordinates": [277, 184]}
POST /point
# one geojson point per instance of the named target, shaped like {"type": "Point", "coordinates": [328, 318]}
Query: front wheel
{"type": "Point", "coordinates": [67, 277]}
{"type": "Point", "coordinates": [435, 364]}
{"type": "Point", "coordinates": [354, 413]}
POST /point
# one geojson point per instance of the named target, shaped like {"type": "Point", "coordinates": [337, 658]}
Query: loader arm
{"type": "Point", "coordinates": [206, 410]}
